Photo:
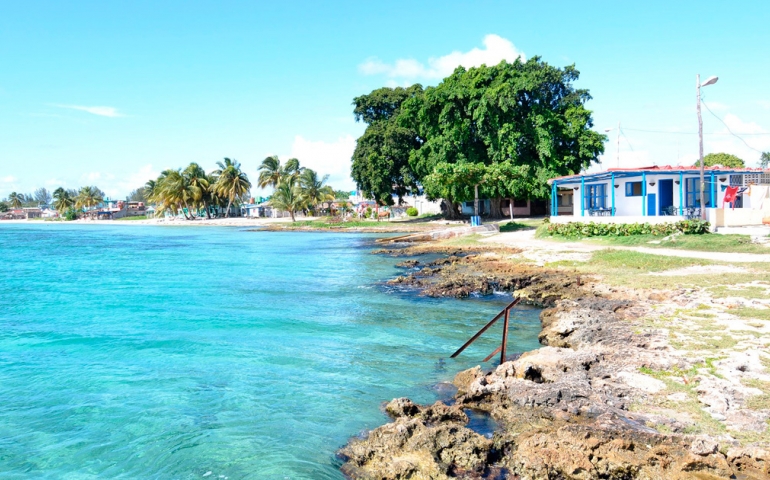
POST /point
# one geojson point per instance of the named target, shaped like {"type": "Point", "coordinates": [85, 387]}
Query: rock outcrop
{"type": "Point", "coordinates": [565, 411]}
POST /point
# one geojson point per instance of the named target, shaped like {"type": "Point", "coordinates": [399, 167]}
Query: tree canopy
{"type": "Point", "coordinates": [507, 128]}
{"type": "Point", "coordinates": [723, 159]}
{"type": "Point", "coordinates": [381, 158]}
{"type": "Point", "coordinates": [764, 160]}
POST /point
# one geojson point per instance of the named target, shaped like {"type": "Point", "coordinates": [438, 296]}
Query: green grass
{"type": "Point", "coordinates": [515, 227]}
{"type": "Point", "coordinates": [754, 313]}
{"type": "Point", "coordinates": [704, 243]}
{"type": "Point", "coordinates": [758, 402]}
{"type": "Point", "coordinates": [138, 217]}
{"type": "Point", "coordinates": [327, 224]}
{"type": "Point", "coordinates": [629, 268]}
{"type": "Point", "coordinates": [747, 291]}
{"type": "Point", "coordinates": [636, 262]}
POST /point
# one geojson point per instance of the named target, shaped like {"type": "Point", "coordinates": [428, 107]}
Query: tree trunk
{"type": "Point", "coordinates": [495, 207]}
{"type": "Point", "coordinates": [451, 211]}
{"type": "Point", "coordinates": [181, 207]}
{"type": "Point", "coordinates": [229, 203]}
{"type": "Point", "coordinates": [291, 212]}
{"type": "Point", "coordinates": [206, 206]}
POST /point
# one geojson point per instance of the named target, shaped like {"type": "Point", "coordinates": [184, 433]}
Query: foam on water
{"type": "Point", "coordinates": [146, 352]}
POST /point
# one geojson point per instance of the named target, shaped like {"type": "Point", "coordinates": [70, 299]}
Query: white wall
{"type": "Point", "coordinates": [632, 206]}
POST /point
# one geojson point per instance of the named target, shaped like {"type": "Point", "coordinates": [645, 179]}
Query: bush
{"type": "Point", "coordinates": [368, 212]}
{"type": "Point", "coordinates": [71, 214]}
{"type": "Point", "coordinates": [579, 229]}
{"type": "Point", "coordinates": [412, 212]}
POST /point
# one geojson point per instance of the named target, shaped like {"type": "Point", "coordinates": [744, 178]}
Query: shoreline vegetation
{"type": "Point", "coordinates": [651, 366]}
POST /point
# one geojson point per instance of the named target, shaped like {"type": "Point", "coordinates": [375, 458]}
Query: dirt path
{"type": "Point", "coordinates": [536, 249]}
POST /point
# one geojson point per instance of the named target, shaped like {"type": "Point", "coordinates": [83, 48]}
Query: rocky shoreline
{"type": "Point", "coordinates": [580, 407]}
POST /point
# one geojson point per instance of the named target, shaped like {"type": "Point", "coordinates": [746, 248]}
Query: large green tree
{"type": "Point", "coordinates": [518, 123]}
{"type": "Point", "coordinates": [381, 159]}
{"type": "Point", "coordinates": [722, 159]}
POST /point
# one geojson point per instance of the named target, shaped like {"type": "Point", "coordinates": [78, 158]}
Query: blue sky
{"type": "Point", "coordinates": [111, 93]}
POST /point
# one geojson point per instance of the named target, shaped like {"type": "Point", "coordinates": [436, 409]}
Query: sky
{"type": "Point", "coordinates": [111, 93]}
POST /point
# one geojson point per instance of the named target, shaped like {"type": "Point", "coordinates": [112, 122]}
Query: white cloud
{"type": "Point", "coordinates": [138, 179]}
{"type": "Point", "coordinates": [91, 176]}
{"type": "Point", "coordinates": [327, 158]}
{"type": "Point", "coordinates": [8, 179]}
{"type": "Point", "coordinates": [724, 142]}
{"type": "Point", "coordinates": [764, 104]}
{"type": "Point", "coordinates": [496, 48]}
{"type": "Point", "coordinates": [101, 111]}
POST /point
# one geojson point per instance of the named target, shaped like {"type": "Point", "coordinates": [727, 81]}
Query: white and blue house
{"type": "Point", "coordinates": [659, 194]}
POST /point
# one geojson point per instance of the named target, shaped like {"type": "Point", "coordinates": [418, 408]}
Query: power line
{"type": "Point", "coordinates": [728, 128]}
{"type": "Point", "coordinates": [692, 133]}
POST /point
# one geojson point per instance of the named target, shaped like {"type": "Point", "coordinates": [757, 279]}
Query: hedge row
{"type": "Point", "coordinates": [578, 229]}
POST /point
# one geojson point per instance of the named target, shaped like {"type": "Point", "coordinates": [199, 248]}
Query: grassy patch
{"type": "Point", "coordinates": [758, 402]}
{"type": "Point", "coordinates": [466, 240]}
{"type": "Point", "coordinates": [628, 268]}
{"type": "Point", "coordinates": [515, 227]}
{"type": "Point", "coordinates": [704, 243]}
{"type": "Point", "coordinates": [328, 224]}
{"type": "Point", "coordinates": [748, 291]}
{"type": "Point", "coordinates": [138, 217]}
{"type": "Point", "coordinates": [754, 313]}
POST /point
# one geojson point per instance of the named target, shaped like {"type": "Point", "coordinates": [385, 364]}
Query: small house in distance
{"type": "Point", "coordinates": [662, 194]}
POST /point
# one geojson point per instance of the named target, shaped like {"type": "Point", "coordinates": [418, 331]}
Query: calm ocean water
{"type": "Point", "coordinates": [146, 352]}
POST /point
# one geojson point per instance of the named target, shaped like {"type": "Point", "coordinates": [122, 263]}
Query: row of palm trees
{"type": "Point", "coordinates": [295, 188]}
{"type": "Point", "coordinates": [85, 198]}
{"type": "Point", "coordinates": [190, 189]}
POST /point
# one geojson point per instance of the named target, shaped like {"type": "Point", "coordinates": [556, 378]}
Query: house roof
{"type": "Point", "coordinates": [655, 169]}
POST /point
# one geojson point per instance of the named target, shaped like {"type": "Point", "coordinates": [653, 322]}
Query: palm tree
{"type": "Point", "coordinates": [199, 185]}
{"type": "Point", "coordinates": [270, 172]}
{"type": "Point", "coordinates": [175, 192]}
{"type": "Point", "coordinates": [16, 200]}
{"type": "Point", "coordinates": [232, 183]}
{"type": "Point", "coordinates": [288, 196]}
{"type": "Point", "coordinates": [315, 190]}
{"type": "Point", "coordinates": [89, 197]}
{"type": "Point", "coordinates": [62, 200]}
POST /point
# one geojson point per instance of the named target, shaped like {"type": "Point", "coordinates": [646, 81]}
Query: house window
{"type": "Point", "coordinates": [594, 196]}
{"type": "Point", "coordinates": [692, 193]}
{"type": "Point", "coordinates": [519, 203]}
{"type": "Point", "coordinates": [633, 189]}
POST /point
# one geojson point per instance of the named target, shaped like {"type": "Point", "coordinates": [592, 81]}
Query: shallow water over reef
{"type": "Point", "coordinates": [177, 352]}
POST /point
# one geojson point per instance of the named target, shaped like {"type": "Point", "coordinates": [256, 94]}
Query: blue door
{"type": "Point", "coordinates": [651, 203]}
{"type": "Point", "coordinates": [666, 192]}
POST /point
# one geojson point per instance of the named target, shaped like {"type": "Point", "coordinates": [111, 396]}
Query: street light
{"type": "Point", "coordinates": [698, 85]}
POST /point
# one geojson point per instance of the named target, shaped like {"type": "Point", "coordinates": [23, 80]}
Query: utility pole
{"type": "Point", "coordinates": [698, 85]}
{"type": "Point", "coordinates": [700, 153]}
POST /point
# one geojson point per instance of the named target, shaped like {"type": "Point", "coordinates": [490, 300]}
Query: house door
{"type": "Point", "coordinates": [666, 192]}
{"type": "Point", "coordinates": [651, 204]}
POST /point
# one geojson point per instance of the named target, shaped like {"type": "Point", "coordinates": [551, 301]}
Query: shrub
{"type": "Point", "coordinates": [71, 214]}
{"type": "Point", "coordinates": [368, 212]}
{"type": "Point", "coordinates": [412, 212]}
{"type": "Point", "coordinates": [579, 229]}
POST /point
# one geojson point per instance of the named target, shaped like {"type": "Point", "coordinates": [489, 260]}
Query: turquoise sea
{"type": "Point", "coordinates": [178, 352]}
